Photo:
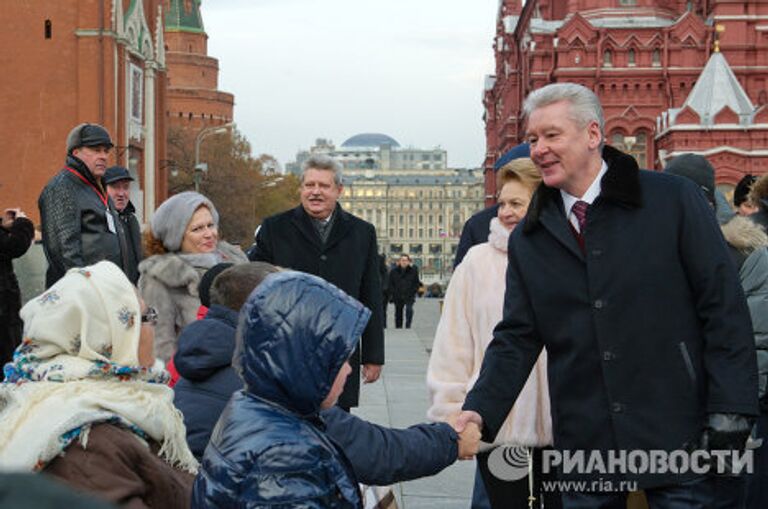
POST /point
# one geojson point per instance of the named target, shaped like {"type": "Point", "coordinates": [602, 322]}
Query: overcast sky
{"type": "Point", "coordinates": [306, 69]}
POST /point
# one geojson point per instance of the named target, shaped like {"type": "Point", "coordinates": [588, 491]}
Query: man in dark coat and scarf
{"type": "Point", "coordinates": [624, 276]}
{"type": "Point", "coordinates": [320, 238]}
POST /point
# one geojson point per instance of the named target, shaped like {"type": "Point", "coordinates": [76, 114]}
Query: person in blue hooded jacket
{"type": "Point", "coordinates": [270, 446]}
{"type": "Point", "coordinates": [379, 455]}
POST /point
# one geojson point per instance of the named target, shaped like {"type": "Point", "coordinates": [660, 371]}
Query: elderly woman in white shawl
{"type": "Point", "coordinates": [85, 401]}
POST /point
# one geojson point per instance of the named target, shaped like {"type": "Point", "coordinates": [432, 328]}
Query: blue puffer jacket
{"type": "Point", "coordinates": [207, 380]}
{"type": "Point", "coordinates": [269, 448]}
{"type": "Point", "coordinates": [379, 455]}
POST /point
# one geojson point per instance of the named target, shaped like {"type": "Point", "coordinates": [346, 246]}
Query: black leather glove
{"type": "Point", "coordinates": [725, 432]}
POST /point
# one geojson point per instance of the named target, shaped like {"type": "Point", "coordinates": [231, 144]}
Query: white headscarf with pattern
{"type": "Point", "coordinates": [78, 365]}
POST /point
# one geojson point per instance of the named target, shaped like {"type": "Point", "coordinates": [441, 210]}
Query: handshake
{"type": "Point", "coordinates": [467, 424]}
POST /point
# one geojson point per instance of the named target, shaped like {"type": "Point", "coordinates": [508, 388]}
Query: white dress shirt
{"type": "Point", "coordinates": [592, 193]}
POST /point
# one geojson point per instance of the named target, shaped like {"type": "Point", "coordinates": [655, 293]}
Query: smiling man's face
{"type": "Point", "coordinates": [319, 193]}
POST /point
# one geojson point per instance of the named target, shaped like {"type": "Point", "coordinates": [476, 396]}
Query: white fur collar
{"type": "Point", "coordinates": [499, 236]}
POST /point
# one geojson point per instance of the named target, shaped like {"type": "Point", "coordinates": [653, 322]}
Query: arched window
{"type": "Point", "coordinates": [608, 58]}
{"type": "Point", "coordinates": [656, 58]}
{"type": "Point", "coordinates": [631, 57]}
{"type": "Point", "coordinates": [635, 145]}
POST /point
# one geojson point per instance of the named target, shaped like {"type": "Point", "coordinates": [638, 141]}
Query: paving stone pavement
{"type": "Point", "coordinates": [400, 399]}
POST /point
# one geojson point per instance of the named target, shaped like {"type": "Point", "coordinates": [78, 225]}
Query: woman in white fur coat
{"type": "Point", "coordinates": [181, 245]}
{"type": "Point", "coordinates": [472, 308]}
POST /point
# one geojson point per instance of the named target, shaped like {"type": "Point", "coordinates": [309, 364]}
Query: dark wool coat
{"type": "Point", "coordinates": [404, 283]}
{"type": "Point", "coordinates": [14, 242]}
{"type": "Point", "coordinates": [133, 241]}
{"type": "Point", "coordinates": [349, 260]}
{"type": "Point", "coordinates": [647, 330]}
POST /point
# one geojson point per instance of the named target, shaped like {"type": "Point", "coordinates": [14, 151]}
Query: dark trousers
{"type": "Point", "coordinates": [702, 493]}
{"type": "Point", "coordinates": [757, 482]}
{"type": "Point", "coordinates": [399, 313]}
{"type": "Point", "coordinates": [515, 494]}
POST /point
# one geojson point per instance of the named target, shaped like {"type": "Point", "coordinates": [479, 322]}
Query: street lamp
{"type": "Point", "coordinates": [201, 168]}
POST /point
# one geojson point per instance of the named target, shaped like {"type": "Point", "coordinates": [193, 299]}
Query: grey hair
{"type": "Point", "coordinates": [585, 106]}
{"type": "Point", "coordinates": [322, 162]}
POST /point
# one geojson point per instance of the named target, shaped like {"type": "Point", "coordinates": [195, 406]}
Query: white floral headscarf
{"type": "Point", "coordinates": [78, 365]}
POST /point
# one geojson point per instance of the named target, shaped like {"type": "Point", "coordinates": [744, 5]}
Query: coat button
{"type": "Point", "coordinates": [323, 257]}
{"type": "Point", "coordinates": [599, 304]}
{"type": "Point", "coordinates": [608, 356]}
{"type": "Point", "coordinates": [617, 408]}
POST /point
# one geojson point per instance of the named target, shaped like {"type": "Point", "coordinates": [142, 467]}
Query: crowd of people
{"type": "Point", "coordinates": [596, 307]}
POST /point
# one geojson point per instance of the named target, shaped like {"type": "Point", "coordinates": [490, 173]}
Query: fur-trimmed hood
{"type": "Point", "coordinates": [620, 184]}
{"type": "Point", "coordinates": [744, 235]}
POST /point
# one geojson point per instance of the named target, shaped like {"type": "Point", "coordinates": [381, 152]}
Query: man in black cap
{"type": "Point", "coordinates": [80, 223]}
{"type": "Point", "coordinates": [118, 181]}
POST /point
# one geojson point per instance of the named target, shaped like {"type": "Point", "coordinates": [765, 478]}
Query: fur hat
{"type": "Point", "coordinates": [204, 288]}
{"type": "Point", "coordinates": [172, 217]}
{"type": "Point", "coordinates": [88, 135]}
{"type": "Point", "coordinates": [696, 168]}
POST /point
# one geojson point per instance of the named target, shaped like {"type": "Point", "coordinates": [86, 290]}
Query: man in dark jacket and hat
{"type": "Point", "coordinates": [80, 223]}
{"type": "Point", "coordinates": [118, 181]}
{"type": "Point", "coordinates": [624, 277]}
{"type": "Point", "coordinates": [404, 284]}
{"type": "Point", "coordinates": [321, 238]}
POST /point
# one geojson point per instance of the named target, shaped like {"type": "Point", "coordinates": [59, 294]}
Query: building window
{"type": "Point", "coordinates": [631, 57]}
{"type": "Point", "coordinates": [401, 231]}
{"type": "Point", "coordinates": [391, 232]}
{"type": "Point", "coordinates": [628, 2]}
{"type": "Point", "coordinates": [392, 219]}
{"type": "Point", "coordinates": [608, 58]}
{"type": "Point", "coordinates": [421, 233]}
{"type": "Point", "coordinates": [410, 233]}
{"type": "Point", "coordinates": [656, 58]}
{"type": "Point", "coordinates": [421, 219]}
{"type": "Point", "coordinates": [635, 145]}
{"type": "Point", "coordinates": [48, 29]}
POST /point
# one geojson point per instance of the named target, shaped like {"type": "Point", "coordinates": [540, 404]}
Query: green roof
{"type": "Point", "coordinates": [178, 18]}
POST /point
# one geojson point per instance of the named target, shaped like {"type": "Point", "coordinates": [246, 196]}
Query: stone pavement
{"type": "Point", "coordinates": [400, 399]}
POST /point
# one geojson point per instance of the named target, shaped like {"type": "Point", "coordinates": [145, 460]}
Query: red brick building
{"type": "Point", "coordinates": [643, 58]}
{"type": "Point", "coordinates": [194, 100]}
{"type": "Point", "coordinates": [73, 61]}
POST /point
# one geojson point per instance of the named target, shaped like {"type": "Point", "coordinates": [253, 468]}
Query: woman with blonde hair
{"type": "Point", "coordinates": [85, 400]}
{"type": "Point", "coordinates": [180, 246]}
{"type": "Point", "coordinates": [472, 308]}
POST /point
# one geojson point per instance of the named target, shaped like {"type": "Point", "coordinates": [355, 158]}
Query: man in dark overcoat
{"type": "Point", "coordinates": [624, 277]}
{"type": "Point", "coordinates": [118, 181]}
{"type": "Point", "coordinates": [320, 238]}
{"type": "Point", "coordinates": [404, 284]}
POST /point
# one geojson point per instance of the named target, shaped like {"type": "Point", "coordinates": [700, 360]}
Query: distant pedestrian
{"type": "Point", "coordinates": [80, 223]}
{"type": "Point", "coordinates": [16, 234]}
{"type": "Point", "coordinates": [404, 284]}
{"type": "Point", "coordinates": [118, 181]}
